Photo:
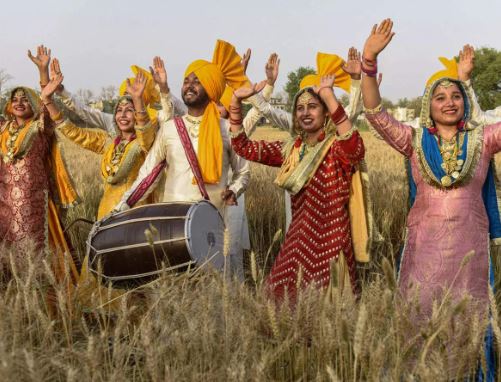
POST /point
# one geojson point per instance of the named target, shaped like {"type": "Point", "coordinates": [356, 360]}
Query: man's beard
{"type": "Point", "coordinates": [201, 100]}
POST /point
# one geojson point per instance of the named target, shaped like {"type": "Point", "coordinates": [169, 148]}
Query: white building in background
{"type": "Point", "coordinates": [403, 114]}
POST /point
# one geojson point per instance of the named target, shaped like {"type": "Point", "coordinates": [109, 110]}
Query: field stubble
{"type": "Point", "coordinates": [204, 327]}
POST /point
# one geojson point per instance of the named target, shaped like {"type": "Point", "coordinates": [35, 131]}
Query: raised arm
{"type": "Point", "coordinates": [260, 102]}
{"type": "Point", "coordinates": [348, 145]}
{"type": "Point", "coordinates": [159, 75]}
{"type": "Point", "coordinates": [353, 67]}
{"type": "Point", "coordinates": [91, 117]}
{"type": "Point", "coordinates": [393, 132]}
{"type": "Point", "coordinates": [268, 153]}
{"type": "Point", "coordinates": [253, 115]}
{"type": "Point", "coordinates": [42, 61]}
{"type": "Point", "coordinates": [90, 139]}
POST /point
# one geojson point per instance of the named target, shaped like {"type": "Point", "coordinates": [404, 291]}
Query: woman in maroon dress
{"type": "Point", "coordinates": [316, 167]}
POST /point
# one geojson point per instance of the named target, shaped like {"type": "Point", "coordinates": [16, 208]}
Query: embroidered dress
{"type": "Point", "coordinates": [121, 161]}
{"type": "Point", "coordinates": [451, 213]}
{"type": "Point", "coordinates": [320, 227]}
{"type": "Point", "coordinates": [32, 178]}
{"type": "Point", "coordinates": [24, 186]}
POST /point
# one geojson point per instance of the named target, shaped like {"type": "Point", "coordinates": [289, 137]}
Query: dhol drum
{"type": "Point", "coordinates": [133, 246]}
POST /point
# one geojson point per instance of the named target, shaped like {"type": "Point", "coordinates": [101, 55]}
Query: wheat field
{"type": "Point", "coordinates": [204, 327]}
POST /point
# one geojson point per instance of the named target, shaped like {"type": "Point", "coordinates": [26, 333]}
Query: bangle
{"type": "Point", "coordinates": [339, 116]}
{"type": "Point", "coordinates": [236, 122]}
{"type": "Point", "coordinates": [365, 60]}
{"type": "Point", "coordinates": [42, 85]}
{"type": "Point", "coordinates": [57, 117]}
{"type": "Point", "coordinates": [370, 72]}
{"type": "Point", "coordinates": [323, 87]}
{"type": "Point", "coordinates": [47, 103]}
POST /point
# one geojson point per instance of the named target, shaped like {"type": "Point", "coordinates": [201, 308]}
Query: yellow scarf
{"type": "Point", "coordinates": [328, 64]}
{"type": "Point", "coordinates": [225, 68]}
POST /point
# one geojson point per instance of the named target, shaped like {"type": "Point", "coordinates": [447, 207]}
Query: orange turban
{"type": "Point", "coordinates": [225, 69]}
{"type": "Point", "coordinates": [328, 64]}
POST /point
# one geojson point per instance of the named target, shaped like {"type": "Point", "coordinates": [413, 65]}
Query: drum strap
{"type": "Point", "coordinates": [190, 155]}
{"type": "Point", "coordinates": [145, 184]}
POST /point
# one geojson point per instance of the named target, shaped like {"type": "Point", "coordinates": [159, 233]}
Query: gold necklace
{"type": "Point", "coordinates": [13, 131]}
{"type": "Point", "coordinates": [193, 126]}
{"type": "Point", "coordinates": [116, 158]}
{"type": "Point", "coordinates": [450, 152]}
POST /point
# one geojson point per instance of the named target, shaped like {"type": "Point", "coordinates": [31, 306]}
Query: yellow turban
{"type": "Point", "coordinates": [151, 95]}
{"type": "Point", "coordinates": [450, 71]}
{"type": "Point", "coordinates": [328, 64]}
{"type": "Point", "coordinates": [225, 69]}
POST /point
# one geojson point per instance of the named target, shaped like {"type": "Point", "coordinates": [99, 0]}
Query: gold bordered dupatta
{"type": "Point", "coordinates": [295, 174]}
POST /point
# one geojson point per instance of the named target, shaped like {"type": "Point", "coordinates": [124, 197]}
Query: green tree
{"type": "Point", "coordinates": [294, 79]}
{"type": "Point", "coordinates": [486, 77]}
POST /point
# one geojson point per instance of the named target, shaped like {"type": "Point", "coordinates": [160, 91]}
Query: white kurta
{"type": "Point", "coordinates": [176, 183]}
{"type": "Point", "coordinates": [106, 121]}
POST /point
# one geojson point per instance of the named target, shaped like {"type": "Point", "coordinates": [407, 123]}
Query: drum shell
{"type": "Point", "coordinates": [141, 242]}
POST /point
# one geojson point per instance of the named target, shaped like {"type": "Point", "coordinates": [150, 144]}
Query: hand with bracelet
{"type": "Point", "coordinates": [42, 61]}
{"type": "Point", "coordinates": [240, 94]}
{"type": "Point", "coordinates": [55, 80]}
{"type": "Point", "coordinates": [379, 38]}
{"type": "Point", "coordinates": [326, 92]}
{"type": "Point", "coordinates": [135, 90]}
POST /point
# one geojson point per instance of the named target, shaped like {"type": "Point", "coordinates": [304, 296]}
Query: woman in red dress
{"type": "Point", "coordinates": [316, 167]}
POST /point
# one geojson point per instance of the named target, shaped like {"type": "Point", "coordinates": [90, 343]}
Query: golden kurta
{"type": "Point", "coordinates": [121, 161]}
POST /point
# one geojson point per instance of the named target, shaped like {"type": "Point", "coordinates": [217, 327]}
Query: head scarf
{"type": "Point", "coordinates": [33, 99]}
{"type": "Point", "coordinates": [66, 194]}
{"type": "Point", "coordinates": [225, 69]}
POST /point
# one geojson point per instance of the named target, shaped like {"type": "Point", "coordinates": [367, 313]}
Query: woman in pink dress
{"type": "Point", "coordinates": [454, 210]}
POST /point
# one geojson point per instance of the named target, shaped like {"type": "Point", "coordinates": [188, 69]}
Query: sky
{"type": "Point", "coordinates": [97, 40]}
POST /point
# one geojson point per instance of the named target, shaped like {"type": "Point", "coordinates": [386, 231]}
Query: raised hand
{"type": "Point", "coordinates": [353, 65]}
{"type": "Point", "coordinates": [42, 59]}
{"type": "Point", "coordinates": [379, 38]}
{"type": "Point", "coordinates": [245, 59]}
{"type": "Point", "coordinates": [326, 82]}
{"type": "Point", "coordinates": [466, 62]}
{"type": "Point", "coordinates": [52, 86]}
{"type": "Point", "coordinates": [136, 89]}
{"type": "Point", "coordinates": [271, 69]}
{"type": "Point", "coordinates": [159, 74]}
{"type": "Point", "coordinates": [243, 93]}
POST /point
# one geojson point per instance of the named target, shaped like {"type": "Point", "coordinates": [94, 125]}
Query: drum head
{"type": "Point", "coordinates": [205, 235]}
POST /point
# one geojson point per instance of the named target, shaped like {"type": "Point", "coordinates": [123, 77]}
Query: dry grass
{"type": "Point", "coordinates": [203, 327]}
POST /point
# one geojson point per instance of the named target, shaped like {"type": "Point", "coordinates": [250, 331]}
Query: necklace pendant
{"type": "Point", "coordinates": [455, 174]}
{"type": "Point", "coordinates": [446, 181]}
